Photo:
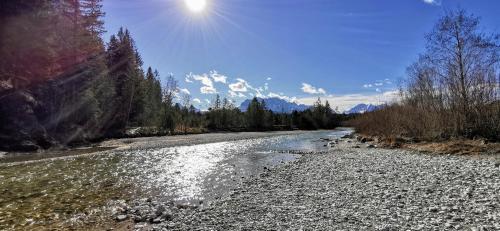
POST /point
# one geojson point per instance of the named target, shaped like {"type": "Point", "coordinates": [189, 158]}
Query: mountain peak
{"type": "Point", "coordinates": [276, 105]}
{"type": "Point", "coordinates": [363, 108]}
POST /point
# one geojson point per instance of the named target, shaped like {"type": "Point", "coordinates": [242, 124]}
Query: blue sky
{"type": "Point", "coordinates": [345, 51]}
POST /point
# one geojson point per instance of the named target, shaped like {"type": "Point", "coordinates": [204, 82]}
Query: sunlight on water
{"type": "Point", "coordinates": [51, 191]}
{"type": "Point", "coordinates": [188, 166]}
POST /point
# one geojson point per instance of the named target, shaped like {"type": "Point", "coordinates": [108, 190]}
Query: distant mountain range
{"type": "Point", "coordinates": [363, 108]}
{"type": "Point", "coordinates": [276, 105]}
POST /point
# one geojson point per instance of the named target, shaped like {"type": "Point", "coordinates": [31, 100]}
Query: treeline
{"type": "Point", "coordinates": [60, 83]}
{"type": "Point", "coordinates": [453, 89]}
{"type": "Point", "coordinates": [225, 116]}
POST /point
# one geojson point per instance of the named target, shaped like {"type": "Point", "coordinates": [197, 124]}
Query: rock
{"type": "Point", "coordinates": [156, 220]}
{"type": "Point", "coordinates": [350, 136]}
{"type": "Point", "coordinates": [433, 209]}
{"type": "Point", "coordinates": [25, 146]}
{"type": "Point", "coordinates": [159, 210]}
{"type": "Point", "coordinates": [167, 215]}
{"type": "Point", "coordinates": [120, 218]}
{"type": "Point", "coordinates": [138, 218]}
{"type": "Point", "coordinates": [347, 189]}
{"type": "Point", "coordinates": [21, 129]}
{"type": "Point", "coordinates": [371, 146]}
{"type": "Point", "coordinates": [364, 139]}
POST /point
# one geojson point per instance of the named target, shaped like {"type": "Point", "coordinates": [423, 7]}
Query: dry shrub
{"type": "Point", "coordinates": [452, 90]}
{"type": "Point", "coordinates": [409, 122]}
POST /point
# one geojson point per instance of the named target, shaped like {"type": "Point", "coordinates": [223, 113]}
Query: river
{"type": "Point", "coordinates": [52, 192]}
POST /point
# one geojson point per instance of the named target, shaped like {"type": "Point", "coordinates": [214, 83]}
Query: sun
{"type": "Point", "coordinates": [196, 6]}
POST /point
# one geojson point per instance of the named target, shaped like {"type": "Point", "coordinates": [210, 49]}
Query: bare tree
{"type": "Point", "coordinates": [170, 90]}
{"type": "Point", "coordinates": [464, 59]}
{"type": "Point", "coordinates": [185, 117]}
{"type": "Point", "coordinates": [452, 89]}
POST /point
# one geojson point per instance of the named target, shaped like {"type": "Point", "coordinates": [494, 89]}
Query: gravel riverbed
{"type": "Point", "coordinates": [347, 188]}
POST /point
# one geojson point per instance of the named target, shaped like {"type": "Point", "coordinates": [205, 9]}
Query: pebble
{"type": "Point", "coordinates": [121, 218]}
{"type": "Point", "coordinates": [355, 189]}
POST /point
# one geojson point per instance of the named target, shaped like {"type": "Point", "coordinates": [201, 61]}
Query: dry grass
{"type": "Point", "coordinates": [457, 147]}
{"type": "Point", "coordinates": [452, 146]}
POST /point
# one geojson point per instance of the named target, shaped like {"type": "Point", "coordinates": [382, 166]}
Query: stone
{"type": "Point", "coordinates": [156, 220]}
{"type": "Point", "coordinates": [167, 215]}
{"type": "Point", "coordinates": [433, 209]}
{"type": "Point", "coordinates": [120, 218]}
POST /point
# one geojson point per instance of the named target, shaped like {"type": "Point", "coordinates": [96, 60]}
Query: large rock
{"type": "Point", "coordinates": [20, 129]}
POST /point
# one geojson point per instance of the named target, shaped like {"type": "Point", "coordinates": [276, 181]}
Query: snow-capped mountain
{"type": "Point", "coordinates": [276, 105]}
{"type": "Point", "coordinates": [362, 108]}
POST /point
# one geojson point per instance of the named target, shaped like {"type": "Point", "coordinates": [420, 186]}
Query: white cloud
{"type": "Point", "coordinates": [236, 94]}
{"type": "Point", "coordinates": [433, 2]}
{"type": "Point", "coordinates": [281, 96]}
{"type": "Point", "coordinates": [269, 78]}
{"type": "Point", "coordinates": [309, 89]}
{"type": "Point", "coordinates": [346, 102]}
{"type": "Point", "coordinates": [185, 91]}
{"type": "Point", "coordinates": [196, 100]}
{"type": "Point", "coordinates": [378, 83]}
{"type": "Point", "coordinates": [240, 86]}
{"type": "Point", "coordinates": [218, 78]}
{"type": "Point", "coordinates": [208, 90]}
{"type": "Point", "coordinates": [204, 79]}
{"type": "Point", "coordinates": [259, 93]}
{"type": "Point", "coordinates": [188, 80]}
{"type": "Point", "coordinates": [207, 100]}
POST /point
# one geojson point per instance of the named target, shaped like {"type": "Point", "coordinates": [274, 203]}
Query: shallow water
{"type": "Point", "coordinates": [48, 192]}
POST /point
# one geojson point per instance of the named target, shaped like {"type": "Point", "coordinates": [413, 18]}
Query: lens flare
{"type": "Point", "coordinates": [196, 6]}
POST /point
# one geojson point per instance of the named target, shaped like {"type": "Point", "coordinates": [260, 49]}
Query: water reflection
{"type": "Point", "coordinates": [199, 172]}
{"type": "Point", "coordinates": [47, 191]}
{"type": "Point", "coordinates": [180, 171]}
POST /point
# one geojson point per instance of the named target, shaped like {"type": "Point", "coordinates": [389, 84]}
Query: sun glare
{"type": "Point", "coordinates": [196, 6]}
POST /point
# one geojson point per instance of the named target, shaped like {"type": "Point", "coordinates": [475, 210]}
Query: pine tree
{"type": "Point", "coordinates": [125, 69]}
{"type": "Point", "coordinates": [256, 114]}
{"type": "Point", "coordinates": [152, 98]}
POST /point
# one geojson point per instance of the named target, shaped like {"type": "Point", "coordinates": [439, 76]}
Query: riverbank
{"type": "Point", "coordinates": [76, 192]}
{"type": "Point", "coordinates": [458, 146]}
{"type": "Point", "coordinates": [354, 186]}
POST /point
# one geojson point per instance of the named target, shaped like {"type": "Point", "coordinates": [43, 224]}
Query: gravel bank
{"type": "Point", "coordinates": [356, 189]}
